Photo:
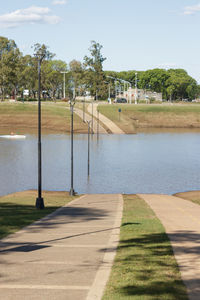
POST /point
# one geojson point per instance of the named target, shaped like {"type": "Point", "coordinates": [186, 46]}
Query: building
{"type": "Point", "coordinates": [134, 95]}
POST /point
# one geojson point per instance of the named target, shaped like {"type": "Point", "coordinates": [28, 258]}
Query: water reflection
{"type": "Point", "coordinates": [142, 163]}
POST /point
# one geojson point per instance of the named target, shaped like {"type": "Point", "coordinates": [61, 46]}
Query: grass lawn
{"type": "Point", "coordinates": [144, 267]}
{"type": "Point", "coordinates": [156, 116]}
{"type": "Point", "coordinates": [193, 196]}
{"type": "Point", "coordinates": [23, 117]}
{"type": "Point", "coordinates": [18, 210]}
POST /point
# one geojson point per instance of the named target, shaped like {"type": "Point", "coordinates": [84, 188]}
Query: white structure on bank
{"type": "Point", "coordinates": [134, 95]}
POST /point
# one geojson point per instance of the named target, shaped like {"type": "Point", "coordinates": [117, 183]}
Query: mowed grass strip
{"type": "Point", "coordinates": [154, 116]}
{"type": "Point", "coordinates": [144, 266]}
{"type": "Point", "coordinates": [18, 210]}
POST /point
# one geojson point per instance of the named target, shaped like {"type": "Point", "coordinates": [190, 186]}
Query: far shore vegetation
{"type": "Point", "coordinates": [19, 76]}
{"type": "Point", "coordinates": [144, 266]}
{"type": "Point", "coordinates": [18, 210]}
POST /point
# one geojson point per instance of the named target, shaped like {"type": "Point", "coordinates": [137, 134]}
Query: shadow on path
{"type": "Point", "coordinates": [145, 258]}
{"type": "Point", "coordinates": [66, 215]}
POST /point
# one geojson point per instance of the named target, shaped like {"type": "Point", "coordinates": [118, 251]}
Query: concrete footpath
{"type": "Point", "coordinates": [66, 256]}
{"type": "Point", "coordinates": [107, 122]}
{"type": "Point", "coordinates": [88, 117]}
{"type": "Point", "coordinates": [181, 219]}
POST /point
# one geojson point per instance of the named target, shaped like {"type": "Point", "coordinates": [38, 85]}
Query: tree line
{"type": "Point", "coordinates": [19, 72]}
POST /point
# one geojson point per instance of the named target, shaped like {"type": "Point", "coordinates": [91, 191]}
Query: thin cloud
{"type": "Point", "coordinates": [30, 15]}
{"type": "Point", "coordinates": [191, 10]}
{"type": "Point", "coordinates": [59, 2]}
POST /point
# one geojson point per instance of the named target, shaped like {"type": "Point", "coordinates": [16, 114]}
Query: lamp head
{"type": "Point", "coordinates": [72, 101]}
{"type": "Point", "coordinates": [40, 52]}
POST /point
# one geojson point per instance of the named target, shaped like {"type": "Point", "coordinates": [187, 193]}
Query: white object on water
{"type": "Point", "coordinates": [13, 136]}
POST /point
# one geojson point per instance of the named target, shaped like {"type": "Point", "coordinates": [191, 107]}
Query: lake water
{"type": "Point", "coordinates": [141, 163]}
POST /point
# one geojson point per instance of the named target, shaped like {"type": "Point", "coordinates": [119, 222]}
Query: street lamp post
{"type": "Point", "coordinates": [136, 96]}
{"type": "Point", "coordinates": [109, 99]}
{"type": "Point", "coordinates": [97, 124]}
{"type": "Point", "coordinates": [72, 103]}
{"type": "Point", "coordinates": [84, 108]}
{"type": "Point", "coordinates": [92, 116]}
{"type": "Point", "coordinates": [88, 122]}
{"type": "Point", "coordinates": [63, 83]}
{"type": "Point", "coordinates": [39, 200]}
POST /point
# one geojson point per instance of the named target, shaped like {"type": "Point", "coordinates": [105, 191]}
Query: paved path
{"type": "Point", "coordinates": [107, 122]}
{"type": "Point", "coordinates": [65, 256]}
{"type": "Point", "coordinates": [88, 117]}
{"type": "Point", "coordinates": [181, 219]}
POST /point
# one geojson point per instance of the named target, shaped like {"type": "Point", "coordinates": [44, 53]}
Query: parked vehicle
{"type": "Point", "coordinates": [120, 100]}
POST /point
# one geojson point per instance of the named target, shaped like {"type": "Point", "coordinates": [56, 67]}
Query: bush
{"type": "Point", "coordinates": [27, 99]}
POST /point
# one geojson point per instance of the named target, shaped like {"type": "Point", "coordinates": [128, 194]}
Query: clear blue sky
{"type": "Point", "coordinates": [136, 35]}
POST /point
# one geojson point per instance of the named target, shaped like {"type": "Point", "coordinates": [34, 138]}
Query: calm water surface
{"type": "Point", "coordinates": [142, 163]}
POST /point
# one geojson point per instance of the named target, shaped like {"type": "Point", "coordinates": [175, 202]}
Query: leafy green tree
{"type": "Point", "coordinates": [155, 80]}
{"type": "Point", "coordinates": [42, 55]}
{"type": "Point", "coordinates": [77, 73]}
{"type": "Point", "coordinates": [9, 66]}
{"type": "Point", "coordinates": [27, 75]}
{"type": "Point", "coordinates": [184, 86]}
{"type": "Point", "coordinates": [53, 76]}
{"type": "Point", "coordinates": [94, 75]}
{"type": "Point", "coordinates": [41, 51]}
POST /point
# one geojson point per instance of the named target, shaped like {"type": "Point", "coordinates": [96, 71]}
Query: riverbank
{"type": "Point", "coordinates": [134, 118]}
{"type": "Point", "coordinates": [23, 118]}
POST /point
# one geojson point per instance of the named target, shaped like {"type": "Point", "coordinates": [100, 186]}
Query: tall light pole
{"type": "Point", "coordinates": [88, 122]}
{"type": "Point", "coordinates": [97, 124]}
{"type": "Point", "coordinates": [72, 103]}
{"type": "Point", "coordinates": [64, 72]}
{"type": "Point", "coordinates": [109, 99]}
{"type": "Point", "coordinates": [39, 200]}
{"type": "Point", "coordinates": [136, 96]}
{"type": "Point", "coordinates": [92, 117]}
{"type": "Point", "coordinates": [74, 92]}
{"type": "Point", "coordinates": [84, 108]}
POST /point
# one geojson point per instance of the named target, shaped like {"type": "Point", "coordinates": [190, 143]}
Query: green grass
{"type": "Point", "coordinates": [151, 108]}
{"type": "Point", "coordinates": [144, 267]}
{"type": "Point", "coordinates": [30, 108]}
{"type": "Point", "coordinates": [18, 210]}
{"type": "Point", "coordinates": [112, 110]}
{"type": "Point", "coordinates": [17, 107]}
{"type": "Point", "coordinates": [154, 116]}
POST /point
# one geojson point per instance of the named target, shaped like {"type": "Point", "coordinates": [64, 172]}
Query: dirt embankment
{"type": "Point", "coordinates": [193, 196]}
{"type": "Point", "coordinates": [29, 123]}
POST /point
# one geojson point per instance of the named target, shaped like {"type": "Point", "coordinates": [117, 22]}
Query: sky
{"type": "Point", "coordinates": [135, 35]}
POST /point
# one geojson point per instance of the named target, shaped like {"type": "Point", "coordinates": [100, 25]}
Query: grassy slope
{"type": "Point", "coordinates": [160, 116]}
{"type": "Point", "coordinates": [16, 116]}
{"type": "Point", "coordinates": [18, 210]}
{"type": "Point", "coordinates": [193, 196]}
{"type": "Point", "coordinates": [144, 267]}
